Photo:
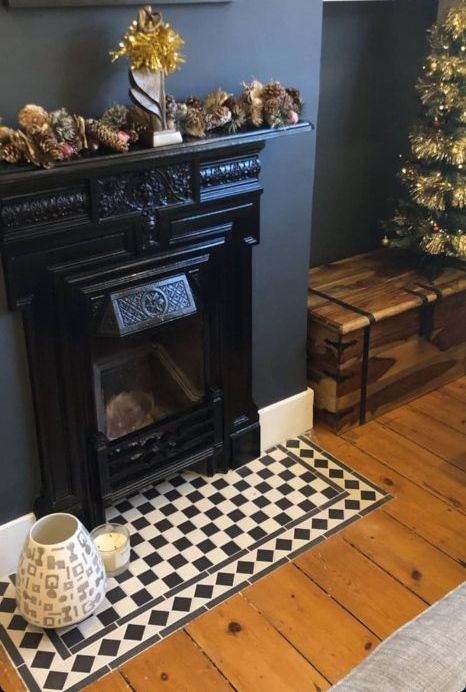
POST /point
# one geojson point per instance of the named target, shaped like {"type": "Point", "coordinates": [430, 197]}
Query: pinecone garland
{"type": "Point", "coordinates": [215, 100]}
{"type": "Point", "coordinates": [10, 152]}
{"type": "Point", "coordinates": [273, 90]}
{"type": "Point", "coordinates": [194, 123]}
{"type": "Point", "coordinates": [277, 110]}
{"type": "Point", "coordinates": [63, 125]}
{"type": "Point", "coordinates": [218, 117]}
{"type": "Point", "coordinates": [105, 136]}
{"type": "Point", "coordinates": [115, 117]}
{"type": "Point", "coordinates": [33, 118]}
{"type": "Point", "coordinates": [252, 103]}
{"type": "Point", "coordinates": [194, 102]}
{"type": "Point", "coordinates": [296, 100]}
{"type": "Point", "coordinates": [238, 114]}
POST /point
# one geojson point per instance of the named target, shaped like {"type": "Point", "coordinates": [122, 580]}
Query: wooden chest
{"type": "Point", "coordinates": [380, 334]}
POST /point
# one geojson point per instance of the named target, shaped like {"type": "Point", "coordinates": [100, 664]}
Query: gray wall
{"type": "Point", "coordinates": [60, 57]}
{"type": "Point", "coordinates": [372, 54]}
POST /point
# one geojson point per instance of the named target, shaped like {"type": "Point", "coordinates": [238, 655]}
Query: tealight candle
{"type": "Point", "coordinates": [113, 544]}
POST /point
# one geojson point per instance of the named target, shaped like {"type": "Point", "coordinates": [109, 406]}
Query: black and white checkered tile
{"type": "Point", "coordinates": [195, 541]}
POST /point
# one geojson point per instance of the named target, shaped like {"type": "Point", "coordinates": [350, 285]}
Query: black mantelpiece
{"type": "Point", "coordinates": [77, 236]}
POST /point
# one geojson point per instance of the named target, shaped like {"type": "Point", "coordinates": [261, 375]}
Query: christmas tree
{"type": "Point", "coordinates": [430, 219]}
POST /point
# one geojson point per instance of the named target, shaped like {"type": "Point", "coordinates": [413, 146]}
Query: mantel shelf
{"type": "Point", "coordinates": [10, 174]}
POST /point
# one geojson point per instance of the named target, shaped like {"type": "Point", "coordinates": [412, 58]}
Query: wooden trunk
{"type": "Point", "coordinates": [380, 334]}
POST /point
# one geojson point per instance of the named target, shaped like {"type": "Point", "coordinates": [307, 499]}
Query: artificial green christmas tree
{"type": "Point", "coordinates": [431, 218]}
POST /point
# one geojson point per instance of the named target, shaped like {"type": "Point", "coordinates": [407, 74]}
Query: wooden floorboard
{"type": "Point", "coordinates": [308, 623]}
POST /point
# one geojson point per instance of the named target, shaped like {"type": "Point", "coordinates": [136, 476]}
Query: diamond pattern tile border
{"type": "Point", "coordinates": [195, 542]}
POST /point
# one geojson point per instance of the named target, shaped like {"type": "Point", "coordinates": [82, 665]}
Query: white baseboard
{"type": "Point", "coordinates": [12, 537]}
{"type": "Point", "coordinates": [286, 418]}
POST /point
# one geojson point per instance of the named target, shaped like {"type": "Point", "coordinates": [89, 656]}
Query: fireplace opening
{"type": "Point", "coordinates": [145, 379]}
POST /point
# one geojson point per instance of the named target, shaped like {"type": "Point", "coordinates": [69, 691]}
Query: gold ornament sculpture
{"type": "Point", "coordinates": [153, 49]}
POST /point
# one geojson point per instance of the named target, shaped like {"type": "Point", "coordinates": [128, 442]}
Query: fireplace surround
{"type": "Point", "coordinates": [133, 276]}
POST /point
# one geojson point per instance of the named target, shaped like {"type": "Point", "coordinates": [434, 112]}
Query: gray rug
{"type": "Point", "coordinates": [427, 654]}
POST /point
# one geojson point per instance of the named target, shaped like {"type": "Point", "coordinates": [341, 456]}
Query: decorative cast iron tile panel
{"type": "Point", "coordinates": [195, 542]}
{"type": "Point", "coordinates": [144, 191]}
{"type": "Point", "coordinates": [232, 171]}
{"type": "Point", "coordinates": [139, 308]}
{"type": "Point", "coordinates": [58, 206]}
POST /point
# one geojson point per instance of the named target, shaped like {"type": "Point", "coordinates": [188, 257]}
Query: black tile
{"type": "Point", "coordinates": [216, 498]}
{"type": "Point", "coordinates": [158, 542]}
{"type": "Point", "coordinates": [202, 563]}
{"type": "Point", "coordinates": [336, 473]}
{"type": "Point", "coordinates": [261, 501]}
{"type": "Point", "coordinates": [185, 527]}
{"type": "Point", "coordinates": [352, 504]}
{"type": "Point", "coordinates": [147, 577]}
{"type": "Point", "coordinates": [351, 484]}
{"type": "Point", "coordinates": [82, 664]}
{"type": "Point", "coordinates": [115, 594]}
{"type": "Point", "coordinates": [225, 579]}
{"type": "Point", "coordinates": [233, 531]}
{"type": "Point", "coordinates": [136, 539]}
{"type": "Point", "coordinates": [145, 508]}
{"type": "Point", "coordinates": [220, 484]}
{"type": "Point", "coordinates": [321, 463]}
{"type": "Point", "coordinates": [109, 647]}
{"type": "Point", "coordinates": [108, 616]}
{"type": "Point", "coordinates": [178, 561]}
{"type": "Point", "coordinates": [191, 511]}
{"type": "Point", "coordinates": [293, 444]}
{"type": "Point", "coordinates": [265, 473]}
{"type": "Point", "coordinates": [159, 617]}
{"type": "Point", "coordinates": [213, 513]}
{"type": "Point", "coordinates": [182, 604]}
{"type": "Point", "coordinates": [141, 597]}
{"type": "Point", "coordinates": [307, 505]}
{"type": "Point", "coordinates": [259, 517]}
{"type": "Point", "coordinates": [236, 515]}
{"type": "Point", "coordinates": [195, 496]}
{"type": "Point", "coordinates": [31, 640]}
{"type": "Point", "coordinates": [134, 632]}
{"type": "Point", "coordinates": [308, 491]}
{"type": "Point", "coordinates": [286, 475]}
{"type": "Point", "coordinates": [173, 495]}
{"type": "Point", "coordinates": [283, 518]}
{"type": "Point", "coordinates": [163, 525]}
{"type": "Point", "coordinates": [140, 523]}
{"type": "Point", "coordinates": [7, 605]}
{"type": "Point", "coordinates": [198, 482]}
{"type": "Point", "coordinates": [241, 485]}
{"type": "Point", "coordinates": [319, 523]}
{"type": "Point", "coordinates": [172, 580]}
{"type": "Point", "coordinates": [265, 555]}
{"type": "Point", "coordinates": [42, 659]}
{"type": "Point", "coordinates": [153, 559]}
{"type": "Point", "coordinates": [206, 546]}
{"type": "Point", "coordinates": [245, 567]}
{"type": "Point", "coordinates": [204, 591]}
{"type": "Point", "coordinates": [72, 637]}
{"type": "Point", "coordinates": [178, 480]}
{"type": "Point", "coordinates": [257, 533]}
{"type": "Point", "coordinates": [285, 489]}
{"type": "Point", "coordinates": [3, 587]}
{"type": "Point", "coordinates": [308, 477]}
{"type": "Point", "coordinates": [264, 487]}
{"type": "Point", "coordinates": [17, 623]}
{"type": "Point", "coordinates": [151, 494]}
{"type": "Point", "coordinates": [368, 495]}
{"type": "Point", "coordinates": [55, 680]}
{"type": "Point", "coordinates": [283, 503]}
{"type": "Point", "coordinates": [283, 544]}
{"type": "Point", "coordinates": [209, 529]}
{"type": "Point", "coordinates": [302, 534]}
{"type": "Point", "coordinates": [336, 514]}
{"type": "Point", "coordinates": [230, 548]}
{"type": "Point", "coordinates": [168, 509]}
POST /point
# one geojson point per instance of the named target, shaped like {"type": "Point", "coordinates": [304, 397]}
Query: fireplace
{"type": "Point", "coordinates": [133, 276]}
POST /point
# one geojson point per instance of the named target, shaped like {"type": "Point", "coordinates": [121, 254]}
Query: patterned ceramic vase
{"type": "Point", "coordinates": [60, 578]}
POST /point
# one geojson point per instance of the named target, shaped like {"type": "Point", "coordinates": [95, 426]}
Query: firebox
{"type": "Point", "coordinates": [133, 275]}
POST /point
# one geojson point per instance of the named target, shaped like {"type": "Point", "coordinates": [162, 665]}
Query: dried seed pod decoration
{"type": "Point", "coordinates": [33, 118]}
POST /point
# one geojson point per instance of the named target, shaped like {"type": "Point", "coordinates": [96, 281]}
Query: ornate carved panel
{"type": "Point", "coordinates": [144, 191]}
{"type": "Point", "coordinates": [146, 306]}
{"type": "Point", "coordinates": [230, 172]}
{"type": "Point", "coordinates": [59, 206]}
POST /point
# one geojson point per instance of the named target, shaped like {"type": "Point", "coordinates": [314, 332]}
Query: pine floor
{"type": "Point", "coordinates": [307, 624]}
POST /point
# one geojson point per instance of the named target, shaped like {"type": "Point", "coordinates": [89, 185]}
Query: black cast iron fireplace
{"type": "Point", "coordinates": [133, 275]}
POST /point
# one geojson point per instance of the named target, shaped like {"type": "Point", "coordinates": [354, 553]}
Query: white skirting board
{"type": "Point", "coordinates": [286, 418]}
{"type": "Point", "coordinates": [279, 421]}
{"type": "Point", "coordinates": [12, 537]}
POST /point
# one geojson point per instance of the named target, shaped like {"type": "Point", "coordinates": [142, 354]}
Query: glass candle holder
{"type": "Point", "coordinates": [112, 542]}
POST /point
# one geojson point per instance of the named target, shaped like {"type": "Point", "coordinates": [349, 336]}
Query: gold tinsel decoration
{"type": "Point", "coordinates": [438, 146]}
{"type": "Point", "coordinates": [458, 245]}
{"type": "Point", "coordinates": [435, 244]}
{"type": "Point", "coordinates": [157, 50]}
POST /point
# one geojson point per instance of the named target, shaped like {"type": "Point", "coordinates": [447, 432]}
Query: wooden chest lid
{"type": "Point", "coordinates": [350, 294]}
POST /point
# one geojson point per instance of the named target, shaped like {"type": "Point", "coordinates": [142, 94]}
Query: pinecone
{"type": "Point", "coordinates": [5, 134]}
{"type": "Point", "coordinates": [296, 100]}
{"type": "Point", "coordinates": [10, 152]}
{"type": "Point", "coordinates": [277, 110]}
{"type": "Point", "coordinates": [215, 100]}
{"type": "Point", "coordinates": [238, 114]}
{"type": "Point", "coordinates": [252, 103]}
{"type": "Point", "coordinates": [33, 118]}
{"type": "Point", "coordinates": [63, 125]}
{"type": "Point", "coordinates": [80, 139]}
{"type": "Point", "coordinates": [218, 117]}
{"type": "Point", "coordinates": [194, 124]}
{"type": "Point", "coordinates": [103, 134]}
{"type": "Point", "coordinates": [273, 90]}
{"type": "Point", "coordinates": [46, 149]}
{"type": "Point", "coordinates": [115, 117]}
{"type": "Point", "coordinates": [194, 102]}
